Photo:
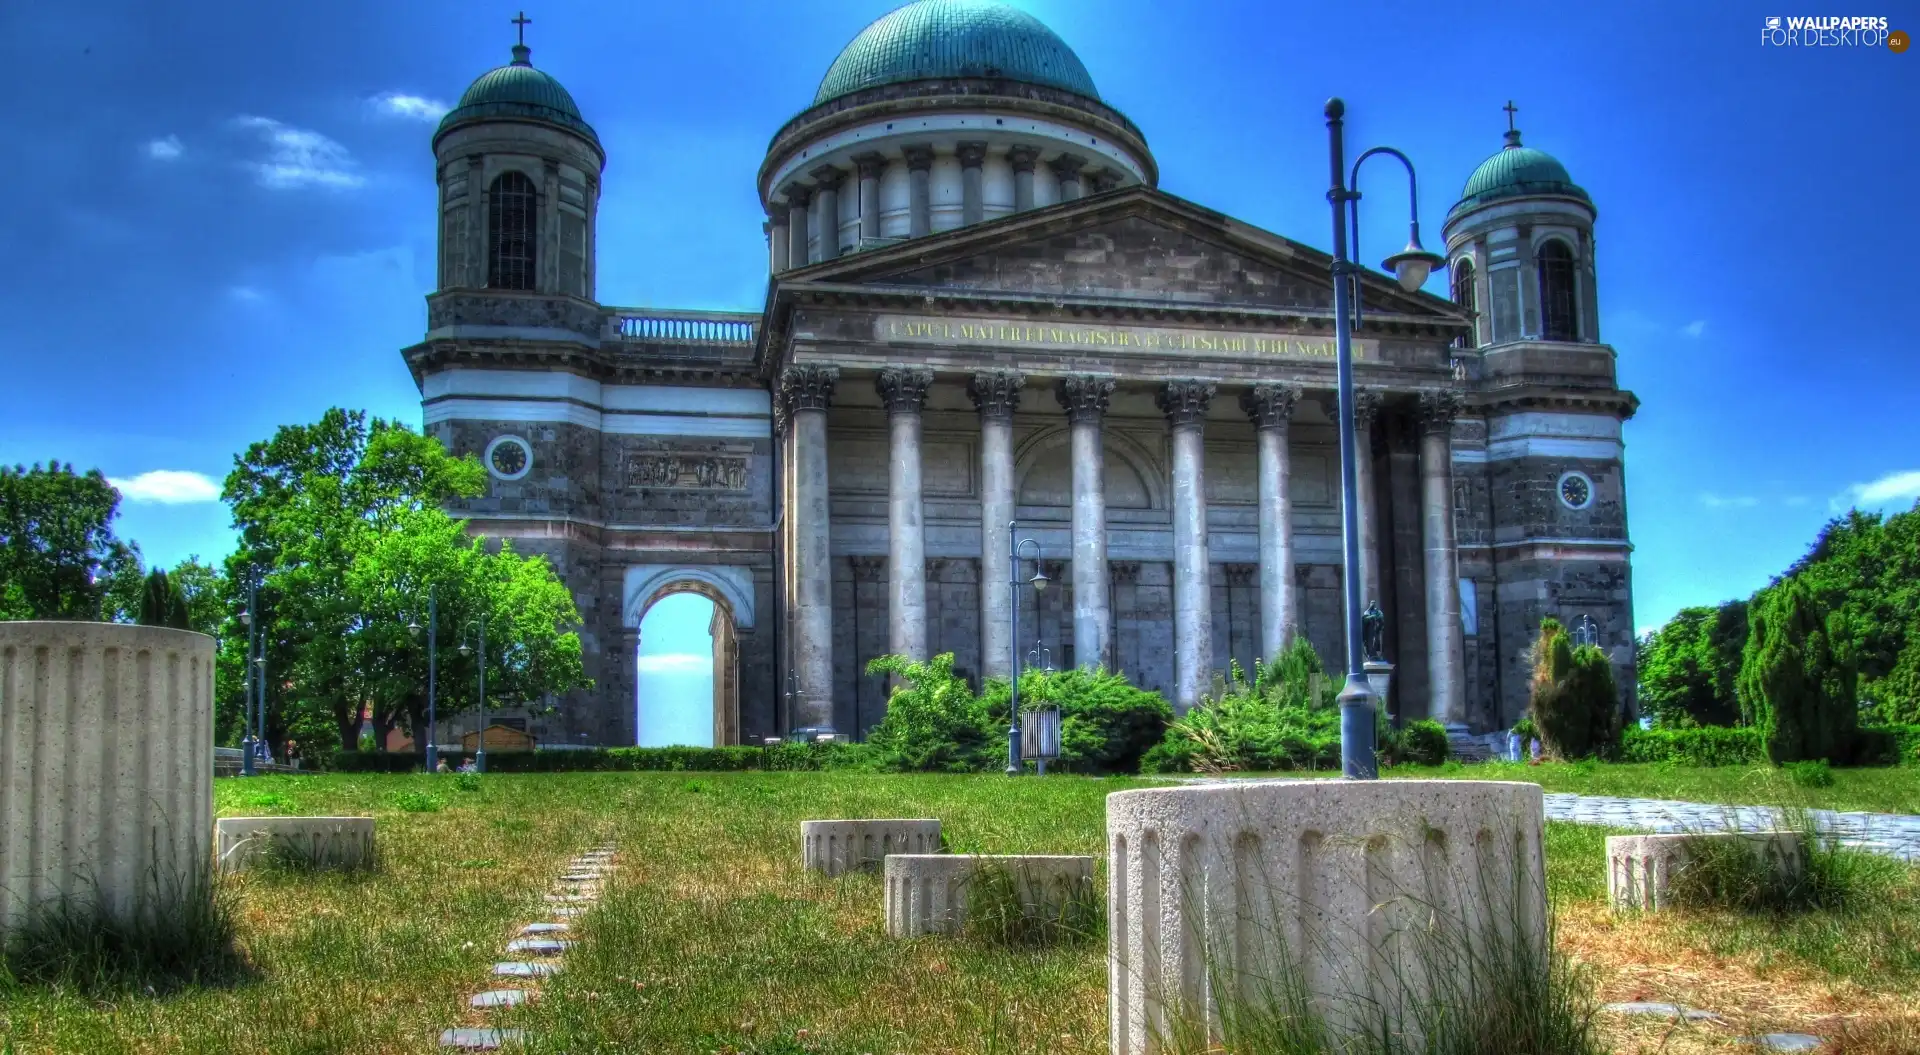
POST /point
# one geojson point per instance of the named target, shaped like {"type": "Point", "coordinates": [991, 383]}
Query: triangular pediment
{"type": "Point", "coordinates": [1136, 246]}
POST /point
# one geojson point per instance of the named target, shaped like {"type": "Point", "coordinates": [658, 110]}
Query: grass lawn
{"type": "Point", "coordinates": [712, 940]}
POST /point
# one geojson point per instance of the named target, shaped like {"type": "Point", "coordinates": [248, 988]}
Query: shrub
{"type": "Point", "coordinates": [418, 802]}
{"type": "Point", "coordinates": [467, 781]}
{"type": "Point", "coordinates": [1792, 687]}
{"type": "Point", "coordinates": [788, 756]}
{"type": "Point", "coordinates": [1278, 722]}
{"type": "Point", "coordinates": [1814, 774]}
{"type": "Point", "coordinates": [1886, 745]}
{"type": "Point", "coordinates": [1704, 746]}
{"type": "Point", "coordinates": [1106, 723]}
{"type": "Point", "coordinates": [934, 723]}
{"type": "Point", "coordinates": [1574, 704]}
{"type": "Point", "coordinates": [1422, 742]}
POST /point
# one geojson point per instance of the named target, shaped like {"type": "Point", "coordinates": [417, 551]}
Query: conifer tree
{"type": "Point", "coordinates": [1575, 703]}
{"type": "Point", "coordinates": [1792, 686]}
{"type": "Point", "coordinates": [162, 603]}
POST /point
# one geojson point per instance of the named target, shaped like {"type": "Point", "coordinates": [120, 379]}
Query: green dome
{"type": "Point", "coordinates": [1518, 171]}
{"type": "Point", "coordinates": [930, 39]}
{"type": "Point", "coordinates": [518, 90]}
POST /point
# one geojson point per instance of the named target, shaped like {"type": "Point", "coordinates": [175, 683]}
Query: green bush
{"type": "Point", "coordinates": [1792, 685]}
{"type": "Point", "coordinates": [934, 723]}
{"type": "Point", "coordinates": [1575, 704]}
{"type": "Point", "coordinates": [1886, 745]}
{"type": "Point", "coordinates": [1422, 742]}
{"type": "Point", "coordinates": [418, 802]}
{"type": "Point", "coordinates": [1106, 723]}
{"type": "Point", "coordinates": [1279, 721]}
{"type": "Point", "coordinates": [792, 756]}
{"type": "Point", "coordinates": [1814, 774]}
{"type": "Point", "coordinates": [1710, 745]}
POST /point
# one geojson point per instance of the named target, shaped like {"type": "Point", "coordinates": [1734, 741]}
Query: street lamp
{"type": "Point", "coordinates": [246, 680]}
{"type": "Point", "coordinates": [1410, 267]}
{"type": "Point", "coordinates": [480, 745]}
{"type": "Point", "coordinates": [1039, 583]}
{"type": "Point", "coordinates": [433, 669]}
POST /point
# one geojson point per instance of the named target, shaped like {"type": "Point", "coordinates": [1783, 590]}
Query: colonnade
{"type": "Point", "coordinates": [806, 392]}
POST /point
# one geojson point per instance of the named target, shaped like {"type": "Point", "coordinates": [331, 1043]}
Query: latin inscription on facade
{"type": "Point", "coordinates": [1119, 340]}
{"type": "Point", "coordinates": [687, 472]}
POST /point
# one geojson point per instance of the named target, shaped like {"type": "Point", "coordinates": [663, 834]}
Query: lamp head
{"type": "Point", "coordinates": [465, 649]}
{"type": "Point", "coordinates": [1039, 580]}
{"type": "Point", "coordinates": [413, 627]}
{"type": "Point", "coordinates": [1412, 265]}
{"type": "Point", "coordinates": [246, 617]}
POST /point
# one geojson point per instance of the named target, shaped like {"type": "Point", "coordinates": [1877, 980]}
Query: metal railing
{"type": "Point", "coordinates": [668, 326]}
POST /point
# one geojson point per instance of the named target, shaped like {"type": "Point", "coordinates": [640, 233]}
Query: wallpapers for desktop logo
{"type": "Point", "coordinates": [1831, 32]}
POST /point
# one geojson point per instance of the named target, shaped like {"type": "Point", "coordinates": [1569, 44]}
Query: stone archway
{"type": "Point", "coordinates": [730, 590]}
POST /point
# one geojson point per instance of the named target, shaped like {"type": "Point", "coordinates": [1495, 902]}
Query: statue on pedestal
{"type": "Point", "coordinates": [1373, 631]}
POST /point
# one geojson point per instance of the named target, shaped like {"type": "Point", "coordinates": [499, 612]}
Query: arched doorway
{"type": "Point", "coordinates": [687, 684]}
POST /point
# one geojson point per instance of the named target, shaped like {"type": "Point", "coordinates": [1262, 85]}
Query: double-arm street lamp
{"type": "Point", "coordinates": [433, 671]}
{"type": "Point", "coordinates": [480, 745]}
{"type": "Point", "coordinates": [1410, 266]}
{"type": "Point", "coordinates": [1038, 582]}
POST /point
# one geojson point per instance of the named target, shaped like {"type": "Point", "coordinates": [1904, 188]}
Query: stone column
{"type": "Point", "coordinates": [1085, 401]}
{"type": "Point", "coordinates": [972, 206]}
{"type": "Point", "coordinates": [828, 188]}
{"type": "Point", "coordinates": [777, 251]}
{"type": "Point", "coordinates": [870, 165]}
{"type": "Point", "coordinates": [1366, 407]}
{"type": "Point", "coordinates": [998, 396]}
{"type": "Point", "coordinates": [1022, 159]}
{"type": "Point", "coordinates": [905, 394]}
{"type": "Point", "coordinates": [798, 198]}
{"type": "Point", "coordinates": [919, 195]}
{"type": "Point", "coordinates": [1447, 702]}
{"type": "Point", "coordinates": [1066, 168]}
{"type": "Point", "coordinates": [808, 391]}
{"type": "Point", "coordinates": [1185, 404]}
{"type": "Point", "coordinates": [1270, 407]}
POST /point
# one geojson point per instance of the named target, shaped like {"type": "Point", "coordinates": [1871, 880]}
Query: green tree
{"type": "Point", "coordinates": [1575, 702]}
{"type": "Point", "coordinates": [1794, 686]}
{"type": "Point", "coordinates": [1688, 668]}
{"type": "Point", "coordinates": [162, 603]}
{"type": "Point", "coordinates": [205, 590]}
{"type": "Point", "coordinates": [59, 558]}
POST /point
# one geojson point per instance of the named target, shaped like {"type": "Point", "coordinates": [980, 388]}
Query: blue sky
{"type": "Point", "coordinates": [225, 219]}
{"type": "Point", "coordinates": [676, 672]}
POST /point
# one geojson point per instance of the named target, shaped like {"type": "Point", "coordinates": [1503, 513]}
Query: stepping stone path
{"type": "Point", "coordinates": [1665, 1011]}
{"type": "Point", "coordinates": [533, 941]}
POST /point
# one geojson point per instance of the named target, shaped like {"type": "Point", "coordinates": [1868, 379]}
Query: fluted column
{"type": "Point", "coordinates": [828, 180]}
{"type": "Point", "coordinates": [1270, 407]}
{"type": "Point", "coordinates": [777, 252]}
{"type": "Point", "coordinates": [798, 199]}
{"type": "Point", "coordinates": [870, 166]}
{"type": "Point", "coordinates": [997, 395]}
{"type": "Point", "coordinates": [919, 194]}
{"type": "Point", "coordinates": [1022, 160]}
{"type": "Point", "coordinates": [808, 392]}
{"type": "Point", "coordinates": [1445, 648]}
{"type": "Point", "coordinates": [1185, 404]}
{"type": "Point", "coordinates": [1066, 169]}
{"type": "Point", "coordinates": [1366, 407]}
{"type": "Point", "coordinates": [973, 207]}
{"type": "Point", "coordinates": [1085, 400]}
{"type": "Point", "coordinates": [905, 394]}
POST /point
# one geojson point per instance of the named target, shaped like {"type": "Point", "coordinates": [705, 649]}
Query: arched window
{"type": "Point", "coordinates": [511, 232]}
{"type": "Point", "coordinates": [1463, 295]}
{"type": "Point", "coordinates": [1560, 319]}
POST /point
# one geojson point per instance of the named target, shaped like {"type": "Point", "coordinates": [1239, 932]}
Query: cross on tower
{"type": "Point", "coordinates": [1511, 110]}
{"type": "Point", "coordinates": [520, 23]}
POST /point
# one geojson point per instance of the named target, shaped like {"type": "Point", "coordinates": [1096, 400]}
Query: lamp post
{"type": "Point", "coordinates": [480, 744]}
{"type": "Point", "coordinates": [1410, 266]}
{"type": "Point", "coordinates": [246, 680]}
{"type": "Point", "coordinates": [433, 670]}
{"type": "Point", "coordinates": [1039, 582]}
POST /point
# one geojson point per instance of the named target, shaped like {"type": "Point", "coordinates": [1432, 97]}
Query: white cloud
{"type": "Point", "coordinates": [246, 294]}
{"type": "Point", "coordinates": [169, 487]}
{"type": "Point", "coordinates": [1694, 328]}
{"type": "Point", "coordinates": [168, 148]}
{"type": "Point", "coordinates": [1896, 488]}
{"type": "Point", "coordinates": [675, 663]}
{"type": "Point", "coordinates": [298, 157]}
{"type": "Point", "coordinates": [409, 107]}
{"type": "Point", "coordinates": [1714, 501]}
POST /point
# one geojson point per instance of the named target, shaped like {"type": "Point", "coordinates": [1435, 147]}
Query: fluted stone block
{"type": "Point", "coordinates": [1641, 869]}
{"type": "Point", "coordinates": [835, 847]}
{"type": "Point", "coordinates": [320, 842]}
{"type": "Point", "coordinates": [106, 767]}
{"type": "Point", "coordinates": [1353, 893]}
{"type": "Point", "coordinates": [928, 893]}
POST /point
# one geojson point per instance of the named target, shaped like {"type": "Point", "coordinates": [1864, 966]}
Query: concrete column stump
{"type": "Point", "coordinates": [1365, 898]}
{"type": "Point", "coordinates": [106, 768]}
{"type": "Point", "coordinates": [344, 843]}
{"type": "Point", "coordinates": [837, 847]}
{"type": "Point", "coordinates": [1641, 869]}
{"type": "Point", "coordinates": [927, 893]}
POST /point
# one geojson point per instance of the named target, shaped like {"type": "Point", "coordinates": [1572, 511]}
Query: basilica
{"type": "Point", "coordinates": [991, 349]}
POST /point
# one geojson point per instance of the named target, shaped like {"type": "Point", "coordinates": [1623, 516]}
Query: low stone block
{"type": "Point", "coordinates": [837, 847]}
{"type": "Point", "coordinates": [1641, 869]}
{"type": "Point", "coordinates": [479, 1039]}
{"type": "Point", "coordinates": [319, 842]}
{"type": "Point", "coordinates": [928, 893]}
{"type": "Point", "coordinates": [499, 998]}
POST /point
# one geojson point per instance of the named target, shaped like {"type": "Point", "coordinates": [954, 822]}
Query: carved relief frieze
{"type": "Point", "coordinates": [714, 469]}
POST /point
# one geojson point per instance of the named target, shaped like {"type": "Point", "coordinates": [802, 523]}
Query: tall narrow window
{"type": "Point", "coordinates": [511, 231]}
{"type": "Point", "coordinates": [573, 252]}
{"type": "Point", "coordinates": [1559, 320]}
{"type": "Point", "coordinates": [1463, 295]}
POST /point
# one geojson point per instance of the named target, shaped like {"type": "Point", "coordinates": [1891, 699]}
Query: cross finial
{"type": "Point", "coordinates": [520, 22]}
{"type": "Point", "coordinates": [1511, 110]}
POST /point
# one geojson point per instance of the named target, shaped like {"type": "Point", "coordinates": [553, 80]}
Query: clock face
{"type": "Point", "coordinates": [508, 457]}
{"type": "Point", "coordinates": [1576, 491]}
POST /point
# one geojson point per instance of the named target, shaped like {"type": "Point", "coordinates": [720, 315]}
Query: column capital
{"type": "Point", "coordinates": [904, 391]}
{"type": "Point", "coordinates": [1270, 406]}
{"type": "Point", "coordinates": [1084, 397]}
{"type": "Point", "coordinates": [870, 164]}
{"type": "Point", "coordinates": [971, 154]}
{"type": "Point", "coordinates": [798, 195]}
{"type": "Point", "coordinates": [1185, 402]}
{"type": "Point", "coordinates": [777, 215]}
{"type": "Point", "coordinates": [1023, 158]}
{"type": "Point", "coordinates": [808, 387]}
{"type": "Point", "coordinates": [1438, 408]}
{"type": "Point", "coordinates": [919, 158]}
{"type": "Point", "coordinates": [996, 394]}
{"type": "Point", "coordinates": [1366, 406]}
{"type": "Point", "coordinates": [1067, 166]}
{"type": "Point", "coordinates": [1104, 179]}
{"type": "Point", "coordinates": [828, 177]}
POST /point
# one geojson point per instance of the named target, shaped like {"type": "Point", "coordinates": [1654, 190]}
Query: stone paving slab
{"type": "Point", "coordinates": [1786, 1042]}
{"type": "Point", "coordinates": [1641, 1007]}
{"type": "Point", "coordinates": [479, 1039]}
{"type": "Point", "coordinates": [538, 946]}
{"type": "Point", "coordinates": [499, 998]}
{"type": "Point", "coordinates": [544, 928]}
{"type": "Point", "coordinates": [523, 969]}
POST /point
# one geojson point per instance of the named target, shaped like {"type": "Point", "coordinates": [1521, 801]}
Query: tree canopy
{"type": "Point", "coordinates": [59, 558]}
